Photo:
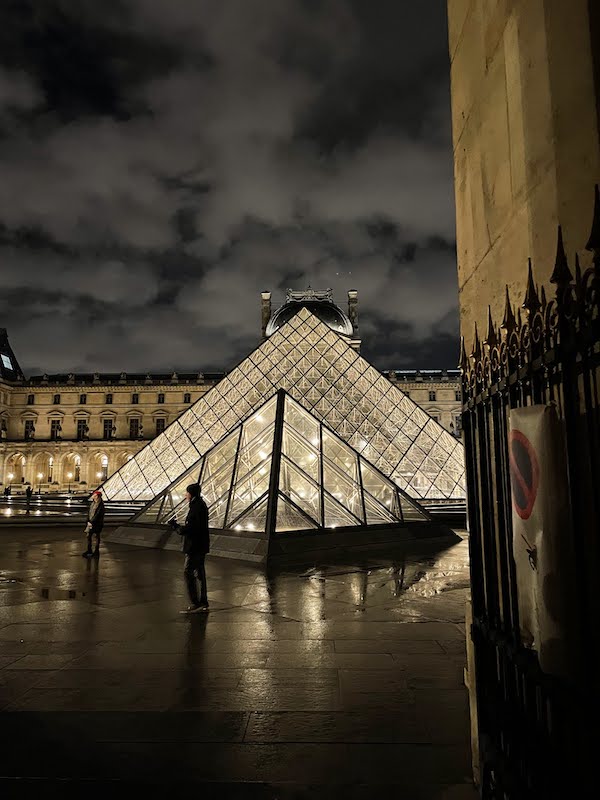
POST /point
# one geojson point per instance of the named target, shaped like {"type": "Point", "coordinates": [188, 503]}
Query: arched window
{"type": "Point", "coordinates": [30, 399]}
{"type": "Point", "coordinates": [161, 398]}
{"type": "Point", "coordinates": [56, 400]}
{"type": "Point", "coordinates": [187, 397]}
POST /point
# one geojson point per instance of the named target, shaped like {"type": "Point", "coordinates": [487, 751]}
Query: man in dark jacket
{"type": "Point", "coordinates": [196, 544]}
{"type": "Point", "coordinates": [95, 524]}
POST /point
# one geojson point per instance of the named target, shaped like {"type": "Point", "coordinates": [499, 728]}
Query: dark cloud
{"type": "Point", "coordinates": [163, 161]}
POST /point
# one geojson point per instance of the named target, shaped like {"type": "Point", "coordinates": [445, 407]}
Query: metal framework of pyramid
{"type": "Point", "coordinates": [283, 470]}
{"type": "Point", "coordinates": [339, 387]}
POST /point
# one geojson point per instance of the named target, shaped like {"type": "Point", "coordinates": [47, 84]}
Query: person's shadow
{"type": "Point", "coordinates": [193, 688]}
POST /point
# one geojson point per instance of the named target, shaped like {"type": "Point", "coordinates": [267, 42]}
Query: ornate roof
{"type": "Point", "coordinates": [318, 302]}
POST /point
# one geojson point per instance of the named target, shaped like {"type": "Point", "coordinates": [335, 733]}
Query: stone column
{"type": "Point", "coordinates": [353, 310]}
{"type": "Point", "coordinates": [266, 311]}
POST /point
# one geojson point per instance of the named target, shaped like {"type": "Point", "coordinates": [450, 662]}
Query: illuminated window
{"type": "Point", "coordinates": [161, 398]}
{"type": "Point", "coordinates": [56, 399]}
{"type": "Point", "coordinates": [187, 397]}
{"type": "Point", "coordinates": [7, 363]}
{"type": "Point", "coordinates": [30, 399]}
{"type": "Point", "coordinates": [432, 395]}
{"type": "Point", "coordinates": [82, 429]}
{"type": "Point", "coordinates": [161, 424]}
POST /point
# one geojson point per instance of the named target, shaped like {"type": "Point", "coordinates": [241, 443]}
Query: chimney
{"type": "Point", "coordinates": [266, 311]}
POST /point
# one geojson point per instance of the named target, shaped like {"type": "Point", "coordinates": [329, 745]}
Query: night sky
{"type": "Point", "coordinates": [164, 161]}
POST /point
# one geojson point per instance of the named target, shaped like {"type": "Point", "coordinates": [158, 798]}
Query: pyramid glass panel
{"type": "Point", "coordinates": [246, 491]}
{"type": "Point", "coordinates": [325, 375]}
{"type": "Point", "coordinates": [254, 518]}
{"type": "Point", "coordinates": [290, 518]}
{"type": "Point", "coordinates": [301, 490]}
{"type": "Point", "coordinates": [317, 487]}
{"type": "Point", "coordinates": [378, 514]}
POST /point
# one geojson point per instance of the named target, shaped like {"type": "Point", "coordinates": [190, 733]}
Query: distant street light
{"type": "Point", "coordinates": [70, 478]}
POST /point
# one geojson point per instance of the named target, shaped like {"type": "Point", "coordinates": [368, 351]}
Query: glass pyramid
{"type": "Point", "coordinates": [283, 470]}
{"type": "Point", "coordinates": [332, 381]}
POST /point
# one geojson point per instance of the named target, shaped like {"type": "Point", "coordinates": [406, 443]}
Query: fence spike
{"type": "Point", "coordinates": [577, 270]}
{"type": "Point", "coordinates": [532, 302]}
{"type": "Point", "coordinates": [464, 361]}
{"type": "Point", "coordinates": [593, 243]}
{"type": "Point", "coordinates": [543, 297]}
{"type": "Point", "coordinates": [491, 339]}
{"type": "Point", "coordinates": [508, 323]}
{"type": "Point", "coordinates": [561, 275]}
{"type": "Point", "coordinates": [476, 352]}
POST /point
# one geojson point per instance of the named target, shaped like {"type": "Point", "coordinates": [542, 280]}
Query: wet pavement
{"type": "Point", "coordinates": [341, 680]}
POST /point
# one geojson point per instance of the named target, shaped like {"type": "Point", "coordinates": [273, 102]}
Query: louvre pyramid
{"type": "Point", "coordinates": [283, 470]}
{"type": "Point", "coordinates": [338, 386]}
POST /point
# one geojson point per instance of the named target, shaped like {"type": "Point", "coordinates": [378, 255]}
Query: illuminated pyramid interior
{"type": "Point", "coordinates": [328, 378]}
{"type": "Point", "coordinates": [283, 470]}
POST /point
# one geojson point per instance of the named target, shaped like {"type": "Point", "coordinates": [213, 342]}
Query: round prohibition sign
{"type": "Point", "coordinates": [524, 473]}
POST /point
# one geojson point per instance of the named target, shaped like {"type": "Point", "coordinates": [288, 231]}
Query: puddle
{"type": "Point", "coordinates": [61, 594]}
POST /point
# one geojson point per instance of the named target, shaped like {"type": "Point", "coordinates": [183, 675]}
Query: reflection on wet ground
{"type": "Point", "coordinates": [341, 679]}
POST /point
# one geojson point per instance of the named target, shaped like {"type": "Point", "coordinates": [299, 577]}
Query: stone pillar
{"type": "Point", "coordinates": [266, 311]}
{"type": "Point", "coordinates": [526, 143]}
{"type": "Point", "coordinates": [353, 310]}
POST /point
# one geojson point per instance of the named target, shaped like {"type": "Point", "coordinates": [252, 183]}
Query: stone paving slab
{"type": "Point", "coordinates": [329, 680]}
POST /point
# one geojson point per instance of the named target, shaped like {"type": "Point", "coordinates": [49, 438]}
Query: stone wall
{"type": "Point", "coordinates": [526, 142]}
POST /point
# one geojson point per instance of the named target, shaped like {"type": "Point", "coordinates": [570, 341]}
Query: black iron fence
{"type": "Point", "coordinates": [537, 733]}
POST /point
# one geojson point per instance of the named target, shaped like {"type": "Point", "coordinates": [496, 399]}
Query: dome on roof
{"type": "Point", "coordinates": [325, 310]}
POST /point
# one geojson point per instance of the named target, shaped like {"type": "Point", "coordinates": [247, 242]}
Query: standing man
{"type": "Point", "coordinates": [95, 524]}
{"type": "Point", "coordinates": [28, 493]}
{"type": "Point", "coordinates": [196, 544]}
